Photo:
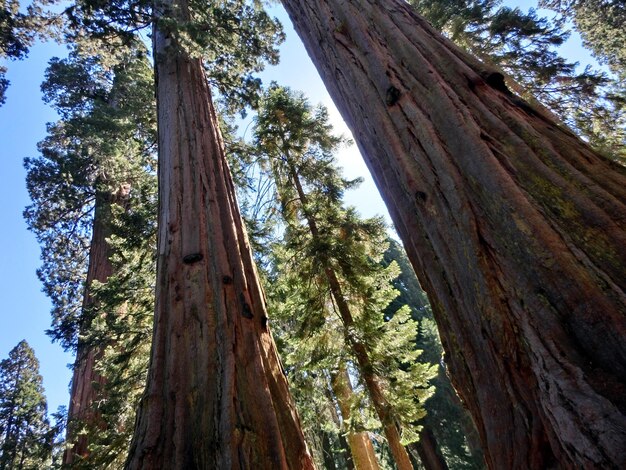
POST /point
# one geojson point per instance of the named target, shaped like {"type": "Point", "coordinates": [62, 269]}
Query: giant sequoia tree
{"type": "Point", "coordinates": [514, 226]}
{"type": "Point", "coordinates": [216, 395]}
{"type": "Point", "coordinates": [95, 168]}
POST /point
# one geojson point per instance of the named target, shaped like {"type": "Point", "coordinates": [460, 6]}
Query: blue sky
{"type": "Point", "coordinates": [25, 309]}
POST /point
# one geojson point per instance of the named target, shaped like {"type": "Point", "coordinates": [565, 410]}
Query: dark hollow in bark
{"type": "Point", "coordinates": [514, 226]}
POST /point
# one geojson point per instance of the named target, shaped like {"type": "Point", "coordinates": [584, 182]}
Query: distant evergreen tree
{"type": "Point", "coordinates": [25, 433]}
{"type": "Point", "coordinates": [333, 289]}
{"type": "Point", "coordinates": [94, 204]}
{"type": "Point", "coordinates": [451, 425]}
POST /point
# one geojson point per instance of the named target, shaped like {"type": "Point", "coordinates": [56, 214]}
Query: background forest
{"type": "Point", "coordinates": [354, 330]}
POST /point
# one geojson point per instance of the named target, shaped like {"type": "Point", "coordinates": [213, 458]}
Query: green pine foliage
{"type": "Point", "coordinates": [234, 38]}
{"type": "Point", "coordinates": [320, 235]}
{"type": "Point", "coordinates": [25, 433]}
{"type": "Point", "coordinates": [105, 140]}
{"type": "Point", "coordinates": [19, 27]}
{"type": "Point", "coordinates": [445, 416]}
{"type": "Point", "coordinates": [601, 26]}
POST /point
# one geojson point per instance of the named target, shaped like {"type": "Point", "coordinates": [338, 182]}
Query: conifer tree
{"type": "Point", "coordinates": [25, 433]}
{"type": "Point", "coordinates": [95, 173]}
{"type": "Point", "coordinates": [332, 256]}
{"type": "Point", "coordinates": [513, 225]}
{"type": "Point", "coordinates": [453, 433]}
{"type": "Point", "coordinates": [216, 396]}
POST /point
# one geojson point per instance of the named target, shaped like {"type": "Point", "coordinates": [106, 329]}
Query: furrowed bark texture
{"type": "Point", "coordinates": [361, 447]}
{"type": "Point", "coordinates": [87, 383]}
{"type": "Point", "coordinates": [216, 395]}
{"type": "Point", "coordinates": [514, 226]}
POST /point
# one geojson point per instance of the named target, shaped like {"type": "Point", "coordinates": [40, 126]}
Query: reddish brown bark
{"type": "Point", "coordinates": [216, 395]}
{"type": "Point", "coordinates": [361, 447]}
{"type": "Point", "coordinates": [87, 383]}
{"type": "Point", "coordinates": [428, 451]}
{"type": "Point", "coordinates": [514, 226]}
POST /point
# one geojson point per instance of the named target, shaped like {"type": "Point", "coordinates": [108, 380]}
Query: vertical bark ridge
{"type": "Point", "coordinates": [514, 226]}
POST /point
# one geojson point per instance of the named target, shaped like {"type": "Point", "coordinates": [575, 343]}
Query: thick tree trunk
{"type": "Point", "coordinates": [514, 226]}
{"type": "Point", "coordinates": [216, 396]}
{"type": "Point", "coordinates": [428, 451]}
{"type": "Point", "coordinates": [87, 383]}
{"type": "Point", "coordinates": [361, 447]}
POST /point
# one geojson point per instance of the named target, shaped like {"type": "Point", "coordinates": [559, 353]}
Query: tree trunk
{"type": "Point", "coordinates": [514, 226]}
{"type": "Point", "coordinates": [216, 395]}
{"type": "Point", "coordinates": [87, 383]}
{"type": "Point", "coordinates": [327, 451]}
{"type": "Point", "coordinates": [361, 447]}
{"type": "Point", "coordinates": [428, 451]}
{"type": "Point", "coordinates": [372, 381]}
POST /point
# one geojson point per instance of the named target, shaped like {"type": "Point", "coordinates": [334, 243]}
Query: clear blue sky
{"type": "Point", "coordinates": [25, 310]}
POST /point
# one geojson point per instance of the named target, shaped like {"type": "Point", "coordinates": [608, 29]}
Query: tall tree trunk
{"type": "Point", "coordinates": [514, 226]}
{"type": "Point", "coordinates": [87, 383]}
{"type": "Point", "coordinates": [216, 395]}
{"type": "Point", "coordinates": [327, 451]}
{"type": "Point", "coordinates": [343, 443]}
{"type": "Point", "coordinates": [361, 447]}
{"type": "Point", "coordinates": [361, 354]}
{"type": "Point", "coordinates": [428, 451]}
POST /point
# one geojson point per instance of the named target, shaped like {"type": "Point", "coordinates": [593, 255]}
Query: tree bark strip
{"type": "Point", "coordinates": [216, 395]}
{"type": "Point", "coordinates": [514, 226]}
{"type": "Point", "coordinates": [361, 447]}
{"type": "Point", "coordinates": [428, 451]}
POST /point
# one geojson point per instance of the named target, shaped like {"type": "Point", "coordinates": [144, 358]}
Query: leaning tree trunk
{"type": "Point", "coordinates": [87, 383]}
{"type": "Point", "coordinates": [514, 226]}
{"type": "Point", "coordinates": [428, 451]}
{"type": "Point", "coordinates": [361, 447]}
{"type": "Point", "coordinates": [216, 395]}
